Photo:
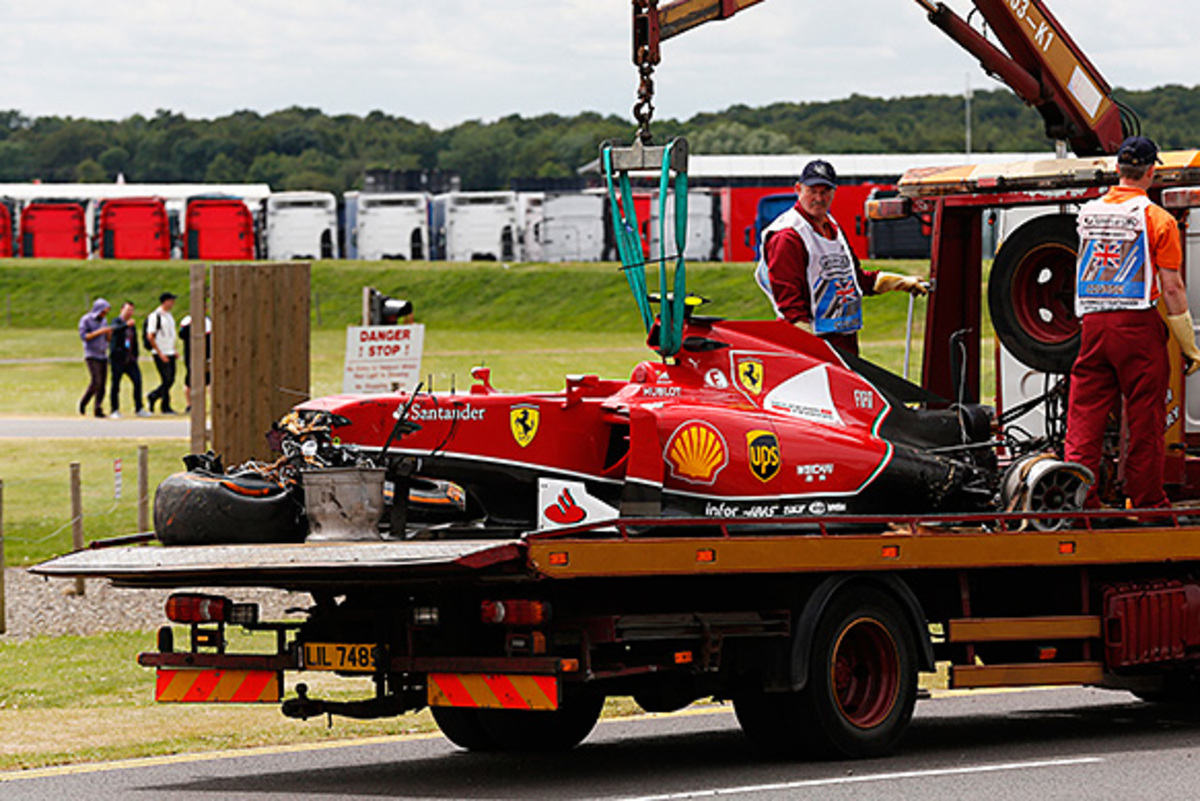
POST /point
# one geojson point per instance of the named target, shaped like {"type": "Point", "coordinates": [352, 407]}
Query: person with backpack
{"type": "Point", "coordinates": [159, 338]}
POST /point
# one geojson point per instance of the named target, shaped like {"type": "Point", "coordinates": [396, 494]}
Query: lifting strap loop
{"type": "Point", "coordinates": [617, 163]}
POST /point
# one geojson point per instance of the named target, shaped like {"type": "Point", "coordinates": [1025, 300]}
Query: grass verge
{"type": "Point", "coordinates": [37, 490]}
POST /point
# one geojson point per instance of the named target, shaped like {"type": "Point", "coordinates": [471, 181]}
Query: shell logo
{"type": "Point", "coordinates": [696, 453]}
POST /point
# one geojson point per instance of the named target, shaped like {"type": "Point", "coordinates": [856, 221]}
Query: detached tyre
{"type": "Point", "coordinates": [1031, 293]}
{"type": "Point", "coordinates": [196, 508]}
{"type": "Point", "coordinates": [862, 685]}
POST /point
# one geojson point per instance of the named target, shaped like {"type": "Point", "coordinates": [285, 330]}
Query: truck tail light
{"type": "Point", "coordinates": [187, 607]}
{"type": "Point", "coordinates": [892, 208]}
{"type": "Point", "coordinates": [515, 613]}
{"type": "Point", "coordinates": [194, 608]}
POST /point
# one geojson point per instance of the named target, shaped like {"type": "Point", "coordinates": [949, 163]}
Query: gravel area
{"type": "Point", "coordinates": [39, 606]}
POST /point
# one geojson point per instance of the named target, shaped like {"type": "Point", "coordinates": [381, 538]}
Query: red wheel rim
{"type": "Point", "coordinates": [1043, 294]}
{"type": "Point", "coordinates": [866, 673]}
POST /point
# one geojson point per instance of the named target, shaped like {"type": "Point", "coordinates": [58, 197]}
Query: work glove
{"type": "Point", "coordinates": [1184, 332]}
{"type": "Point", "coordinates": [888, 282]}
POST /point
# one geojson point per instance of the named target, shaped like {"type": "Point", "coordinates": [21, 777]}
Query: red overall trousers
{"type": "Point", "coordinates": [1122, 354]}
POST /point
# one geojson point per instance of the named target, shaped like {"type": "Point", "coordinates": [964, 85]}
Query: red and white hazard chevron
{"type": "Point", "coordinates": [493, 691]}
{"type": "Point", "coordinates": [217, 686]}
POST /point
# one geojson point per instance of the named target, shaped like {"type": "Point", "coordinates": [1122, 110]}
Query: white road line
{"type": "Point", "coordinates": [874, 777]}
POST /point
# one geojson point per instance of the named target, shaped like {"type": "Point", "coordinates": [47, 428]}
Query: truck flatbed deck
{"type": "Point", "coordinates": [681, 547]}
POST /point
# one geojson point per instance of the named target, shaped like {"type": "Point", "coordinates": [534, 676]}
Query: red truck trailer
{"type": "Point", "coordinates": [54, 230]}
{"type": "Point", "coordinates": [740, 208]}
{"type": "Point", "coordinates": [134, 228]}
{"type": "Point", "coordinates": [6, 231]}
{"type": "Point", "coordinates": [219, 229]}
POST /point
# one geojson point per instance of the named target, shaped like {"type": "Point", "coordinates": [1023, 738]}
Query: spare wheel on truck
{"type": "Point", "coordinates": [1031, 293]}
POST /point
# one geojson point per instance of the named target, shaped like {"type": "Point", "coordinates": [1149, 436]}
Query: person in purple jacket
{"type": "Point", "coordinates": [94, 332]}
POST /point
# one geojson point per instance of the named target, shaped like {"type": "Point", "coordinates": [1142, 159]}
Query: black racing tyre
{"type": "Point", "coordinates": [463, 728]}
{"type": "Point", "coordinates": [1031, 293]}
{"type": "Point", "coordinates": [530, 731]}
{"type": "Point", "coordinates": [862, 685]}
{"type": "Point", "coordinates": [198, 508]}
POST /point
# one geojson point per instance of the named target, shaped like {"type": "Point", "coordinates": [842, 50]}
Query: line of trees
{"type": "Point", "coordinates": [303, 148]}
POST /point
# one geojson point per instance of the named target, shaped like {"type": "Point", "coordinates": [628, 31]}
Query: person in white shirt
{"type": "Point", "coordinates": [161, 337]}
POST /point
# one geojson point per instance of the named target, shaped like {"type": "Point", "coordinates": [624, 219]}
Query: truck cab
{"type": "Point", "coordinates": [301, 225]}
{"type": "Point", "coordinates": [388, 225]}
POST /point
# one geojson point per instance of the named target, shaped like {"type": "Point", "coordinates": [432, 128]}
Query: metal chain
{"type": "Point", "coordinates": [643, 109]}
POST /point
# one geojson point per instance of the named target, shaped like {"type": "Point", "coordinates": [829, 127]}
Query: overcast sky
{"type": "Point", "coordinates": [446, 61]}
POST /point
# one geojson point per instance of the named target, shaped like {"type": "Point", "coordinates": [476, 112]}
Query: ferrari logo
{"type": "Point", "coordinates": [762, 448]}
{"type": "Point", "coordinates": [750, 375]}
{"type": "Point", "coordinates": [524, 418]}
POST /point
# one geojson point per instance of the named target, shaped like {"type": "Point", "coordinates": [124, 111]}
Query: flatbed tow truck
{"type": "Point", "coordinates": [813, 618]}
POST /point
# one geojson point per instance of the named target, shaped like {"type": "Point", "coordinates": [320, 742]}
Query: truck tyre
{"type": "Point", "coordinates": [531, 731]}
{"type": "Point", "coordinates": [862, 685]}
{"type": "Point", "coordinates": [1031, 293]}
{"type": "Point", "coordinates": [463, 728]}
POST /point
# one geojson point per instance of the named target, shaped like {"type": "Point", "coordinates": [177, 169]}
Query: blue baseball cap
{"type": "Point", "coordinates": [1138, 151]}
{"type": "Point", "coordinates": [819, 173]}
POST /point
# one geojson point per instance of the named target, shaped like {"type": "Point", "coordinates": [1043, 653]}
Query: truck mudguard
{"type": "Point", "coordinates": [806, 625]}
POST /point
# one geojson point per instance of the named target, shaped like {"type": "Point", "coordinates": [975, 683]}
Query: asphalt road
{"type": "Point", "coordinates": [157, 427]}
{"type": "Point", "coordinates": [1043, 744]}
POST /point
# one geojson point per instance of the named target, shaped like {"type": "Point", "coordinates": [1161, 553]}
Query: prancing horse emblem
{"type": "Point", "coordinates": [750, 375]}
{"type": "Point", "coordinates": [524, 418]}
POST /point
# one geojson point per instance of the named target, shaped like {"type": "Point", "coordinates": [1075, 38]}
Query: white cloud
{"type": "Point", "coordinates": [452, 60]}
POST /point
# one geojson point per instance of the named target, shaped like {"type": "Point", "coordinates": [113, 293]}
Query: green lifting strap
{"type": "Point", "coordinates": [625, 231]}
{"type": "Point", "coordinates": [671, 334]}
{"type": "Point", "coordinates": [617, 163]}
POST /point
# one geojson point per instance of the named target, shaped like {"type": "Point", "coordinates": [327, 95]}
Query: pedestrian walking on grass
{"type": "Point", "coordinates": [161, 338]}
{"type": "Point", "coordinates": [123, 356]}
{"type": "Point", "coordinates": [94, 332]}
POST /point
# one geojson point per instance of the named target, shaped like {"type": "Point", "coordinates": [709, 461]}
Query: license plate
{"type": "Point", "coordinates": [348, 657]}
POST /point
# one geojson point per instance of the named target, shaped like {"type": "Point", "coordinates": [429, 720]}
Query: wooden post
{"type": "Point", "coordinates": [199, 389]}
{"type": "Point", "coordinates": [143, 488]}
{"type": "Point", "coordinates": [3, 614]}
{"type": "Point", "coordinates": [366, 306]}
{"type": "Point", "coordinates": [260, 346]}
{"type": "Point", "coordinates": [77, 519]}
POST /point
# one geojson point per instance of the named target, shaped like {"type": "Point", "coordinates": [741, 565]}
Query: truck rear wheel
{"type": "Point", "coordinates": [1031, 293]}
{"type": "Point", "coordinates": [862, 685]}
{"type": "Point", "coordinates": [560, 730]}
{"type": "Point", "coordinates": [463, 728]}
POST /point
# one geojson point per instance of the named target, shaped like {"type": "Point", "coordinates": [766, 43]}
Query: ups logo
{"type": "Point", "coordinates": [763, 450]}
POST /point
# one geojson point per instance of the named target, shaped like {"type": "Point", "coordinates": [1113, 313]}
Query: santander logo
{"type": "Point", "coordinates": [564, 511]}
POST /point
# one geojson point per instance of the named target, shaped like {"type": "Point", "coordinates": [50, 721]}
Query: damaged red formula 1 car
{"type": "Point", "coordinates": [753, 419]}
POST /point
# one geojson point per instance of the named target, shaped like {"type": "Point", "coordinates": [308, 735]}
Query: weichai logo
{"type": "Point", "coordinates": [696, 453]}
{"type": "Point", "coordinates": [762, 448]}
